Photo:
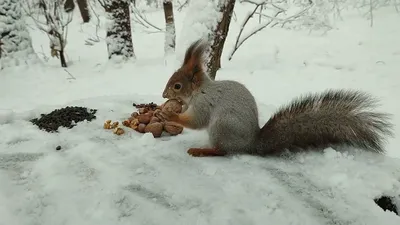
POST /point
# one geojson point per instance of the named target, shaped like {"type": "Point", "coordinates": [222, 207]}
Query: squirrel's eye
{"type": "Point", "coordinates": [177, 86]}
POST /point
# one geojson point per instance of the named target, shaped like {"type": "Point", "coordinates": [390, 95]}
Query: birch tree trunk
{"type": "Point", "coordinates": [15, 42]}
{"type": "Point", "coordinates": [170, 34]}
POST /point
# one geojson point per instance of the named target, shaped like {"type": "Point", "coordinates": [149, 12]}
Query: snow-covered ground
{"type": "Point", "coordinates": [100, 178]}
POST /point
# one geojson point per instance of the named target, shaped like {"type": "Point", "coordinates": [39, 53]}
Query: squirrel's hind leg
{"type": "Point", "coordinates": [232, 135]}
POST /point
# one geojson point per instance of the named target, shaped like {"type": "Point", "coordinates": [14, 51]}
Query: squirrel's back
{"type": "Point", "coordinates": [329, 119]}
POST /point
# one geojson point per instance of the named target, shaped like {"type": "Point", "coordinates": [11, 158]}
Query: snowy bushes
{"type": "Point", "coordinates": [15, 42]}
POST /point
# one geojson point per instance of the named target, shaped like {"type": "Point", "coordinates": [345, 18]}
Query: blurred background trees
{"type": "Point", "coordinates": [118, 17]}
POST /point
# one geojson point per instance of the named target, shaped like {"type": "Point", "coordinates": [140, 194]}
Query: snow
{"type": "Point", "coordinates": [101, 178]}
{"type": "Point", "coordinates": [197, 25]}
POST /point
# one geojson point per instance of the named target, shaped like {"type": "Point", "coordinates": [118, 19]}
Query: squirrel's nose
{"type": "Point", "coordinates": [165, 94]}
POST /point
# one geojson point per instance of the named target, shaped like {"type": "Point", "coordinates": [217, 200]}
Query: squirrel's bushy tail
{"type": "Point", "coordinates": [332, 118]}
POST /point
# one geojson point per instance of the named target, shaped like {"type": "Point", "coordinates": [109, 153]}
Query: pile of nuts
{"type": "Point", "coordinates": [146, 121]}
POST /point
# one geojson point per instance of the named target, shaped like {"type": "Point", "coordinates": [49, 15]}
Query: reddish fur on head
{"type": "Point", "coordinates": [190, 76]}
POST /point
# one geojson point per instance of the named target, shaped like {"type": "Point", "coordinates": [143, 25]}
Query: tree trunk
{"type": "Point", "coordinates": [119, 36]}
{"type": "Point", "coordinates": [219, 36]}
{"type": "Point", "coordinates": [84, 9]}
{"type": "Point", "coordinates": [62, 59]}
{"type": "Point", "coordinates": [15, 43]}
{"type": "Point", "coordinates": [69, 6]}
{"type": "Point", "coordinates": [170, 36]}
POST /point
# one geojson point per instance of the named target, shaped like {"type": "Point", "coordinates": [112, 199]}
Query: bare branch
{"type": "Point", "coordinates": [272, 21]}
{"type": "Point", "coordinates": [141, 19]}
{"type": "Point", "coordinates": [183, 5]}
{"type": "Point", "coordinates": [246, 20]}
{"type": "Point", "coordinates": [71, 76]}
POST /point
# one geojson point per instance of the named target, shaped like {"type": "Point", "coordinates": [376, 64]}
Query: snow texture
{"type": "Point", "coordinates": [100, 178]}
{"type": "Point", "coordinates": [15, 43]}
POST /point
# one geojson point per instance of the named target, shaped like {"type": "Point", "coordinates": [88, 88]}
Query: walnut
{"type": "Point", "coordinates": [156, 111]}
{"type": "Point", "coordinates": [143, 110]}
{"type": "Point", "coordinates": [134, 114]}
{"type": "Point", "coordinates": [119, 131]}
{"type": "Point", "coordinates": [155, 128]}
{"type": "Point", "coordinates": [134, 124]}
{"type": "Point", "coordinates": [172, 105]}
{"type": "Point", "coordinates": [114, 125]}
{"type": "Point", "coordinates": [150, 113]}
{"type": "Point", "coordinates": [107, 124]}
{"type": "Point", "coordinates": [173, 128]}
{"type": "Point", "coordinates": [154, 119]}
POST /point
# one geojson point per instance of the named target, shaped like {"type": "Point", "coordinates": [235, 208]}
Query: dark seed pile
{"type": "Point", "coordinates": [386, 203]}
{"type": "Point", "coordinates": [64, 117]}
{"type": "Point", "coordinates": [151, 106]}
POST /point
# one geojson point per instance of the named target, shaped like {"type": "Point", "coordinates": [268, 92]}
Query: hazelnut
{"type": "Point", "coordinates": [155, 128]}
{"type": "Point", "coordinates": [144, 118]}
{"type": "Point", "coordinates": [108, 121]}
{"type": "Point", "coordinates": [173, 128]}
{"type": "Point", "coordinates": [141, 127]}
{"type": "Point", "coordinates": [118, 131]}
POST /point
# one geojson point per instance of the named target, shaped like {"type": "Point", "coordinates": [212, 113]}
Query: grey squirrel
{"type": "Point", "coordinates": [229, 112]}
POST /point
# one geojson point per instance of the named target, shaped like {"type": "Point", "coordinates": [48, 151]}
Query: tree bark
{"type": "Point", "coordinates": [170, 35]}
{"type": "Point", "coordinates": [219, 36]}
{"type": "Point", "coordinates": [84, 9]}
{"type": "Point", "coordinates": [119, 36]}
{"type": "Point", "coordinates": [69, 6]}
{"type": "Point", "coordinates": [15, 42]}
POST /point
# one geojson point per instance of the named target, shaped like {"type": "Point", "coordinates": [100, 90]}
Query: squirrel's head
{"type": "Point", "coordinates": [190, 77]}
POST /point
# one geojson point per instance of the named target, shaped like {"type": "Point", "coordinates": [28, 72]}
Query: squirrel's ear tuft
{"type": "Point", "coordinates": [194, 55]}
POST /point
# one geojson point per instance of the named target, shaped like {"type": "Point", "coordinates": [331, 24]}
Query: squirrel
{"type": "Point", "coordinates": [228, 111]}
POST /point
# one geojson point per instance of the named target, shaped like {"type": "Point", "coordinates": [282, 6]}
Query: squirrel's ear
{"type": "Point", "coordinates": [194, 55]}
